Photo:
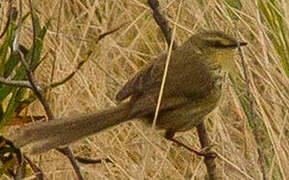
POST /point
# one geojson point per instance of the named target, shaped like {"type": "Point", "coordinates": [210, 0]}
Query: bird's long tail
{"type": "Point", "coordinates": [48, 135]}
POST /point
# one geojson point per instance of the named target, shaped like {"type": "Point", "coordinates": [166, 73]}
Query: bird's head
{"type": "Point", "coordinates": [218, 40]}
{"type": "Point", "coordinates": [219, 46]}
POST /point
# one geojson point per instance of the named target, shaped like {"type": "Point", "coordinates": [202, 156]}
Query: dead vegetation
{"type": "Point", "coordinates": [250, 128]}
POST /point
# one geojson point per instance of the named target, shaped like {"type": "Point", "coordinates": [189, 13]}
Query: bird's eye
{"type": "Point", "coordinates": [222, 44]}
{"type": "Point", "coordinates": [216, 43]}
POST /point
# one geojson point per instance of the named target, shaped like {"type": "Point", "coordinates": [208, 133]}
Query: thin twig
{"type": "Point", "coordinates": [80, 64]}
{"type": "Point", "coordinates": [92, 161]}
{"type": "Point", "coordinates": [67, 78]}
{"type": "Point", "coordinates": [171, 43]}
{"type": "Point", "coordinates": [16, 83]}
{"type": "Point", "coordinates": [261, 159]}
{"type": "Point", "coordinates": [103, 35]}
{"type": "Point", "coordinates": [235, 167]}
{"type": "Point", "coordinates": [54, 54]}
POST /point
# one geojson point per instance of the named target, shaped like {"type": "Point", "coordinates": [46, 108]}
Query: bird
{"type": "Point", "coordinates": [193, 89]}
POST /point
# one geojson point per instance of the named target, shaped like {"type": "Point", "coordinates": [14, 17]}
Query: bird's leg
{"type": "Point", "coordinates": [170, 136]}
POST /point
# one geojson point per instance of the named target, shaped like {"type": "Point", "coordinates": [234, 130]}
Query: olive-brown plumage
{"type": "Point", "coordinates": [192, 90]}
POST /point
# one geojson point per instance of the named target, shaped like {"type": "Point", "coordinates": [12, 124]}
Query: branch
{"type": "Point", "coordinates": [162, 22]}
{"type": "Point", "coordinates": [205, 142]}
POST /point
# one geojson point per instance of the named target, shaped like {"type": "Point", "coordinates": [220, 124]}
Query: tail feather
{"type": "Point", "coordinates": [54, 133]}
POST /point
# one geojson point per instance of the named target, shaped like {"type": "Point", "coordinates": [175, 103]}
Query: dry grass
{"type": "Point", "coordinates": [138, 152]}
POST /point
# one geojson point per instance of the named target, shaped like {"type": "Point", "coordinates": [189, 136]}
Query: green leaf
{"type": "Point", "coordinates": [4, 92]}
{"type": "Point", "coordinates": [40, 34]}
{"type": "Point", "coordinates": [17, 96]}
{"type": "Point", "coordinates": [11, 63]}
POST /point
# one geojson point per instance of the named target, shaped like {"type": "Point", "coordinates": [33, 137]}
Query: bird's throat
{"type": "Point", "coordinates": [225, 58]}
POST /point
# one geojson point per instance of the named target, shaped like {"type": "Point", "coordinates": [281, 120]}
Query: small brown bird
{"type": "Point", "coordinates": [192, 90]}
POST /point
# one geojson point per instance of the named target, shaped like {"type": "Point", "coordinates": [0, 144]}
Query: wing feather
{"type": "Point", "coordinates": [144, 80]}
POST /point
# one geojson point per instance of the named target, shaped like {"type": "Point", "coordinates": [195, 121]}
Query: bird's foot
{"type": "Point", "coordinates": [210, 155]}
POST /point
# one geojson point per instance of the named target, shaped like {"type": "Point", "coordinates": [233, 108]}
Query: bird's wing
{"type": "Point", "coordinates": [149, 77]}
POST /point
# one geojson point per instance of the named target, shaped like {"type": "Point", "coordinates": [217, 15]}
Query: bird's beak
{"type": "Point", "coordinates": [243, 43]}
